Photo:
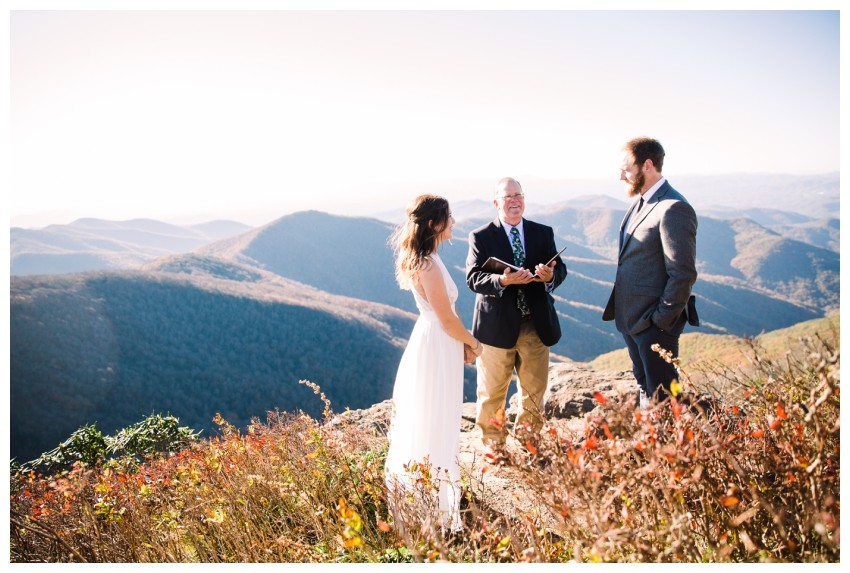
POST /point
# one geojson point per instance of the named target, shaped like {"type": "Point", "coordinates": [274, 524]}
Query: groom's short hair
{"type": "Point", "coordinates": [643, 148]}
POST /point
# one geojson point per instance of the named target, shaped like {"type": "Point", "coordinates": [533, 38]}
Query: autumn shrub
{"type": "Point", "coordinates": [278, 492]}
{"type": "Point", "coordinates": [698, 478]}
{"type": "Point", "coordinates": [749, 476]}
{"type": "Point", "coordinates": [292, 489]}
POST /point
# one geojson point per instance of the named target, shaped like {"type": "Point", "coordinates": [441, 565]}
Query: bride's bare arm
{"type": "Point", "coordinates": [431, 279]}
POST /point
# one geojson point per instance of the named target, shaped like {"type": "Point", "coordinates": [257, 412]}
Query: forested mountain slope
{"type": "Point", "coordinates": [113, 347]}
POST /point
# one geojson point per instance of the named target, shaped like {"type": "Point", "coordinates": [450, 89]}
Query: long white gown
{"type": "Point", "coordinates": [427, 405]}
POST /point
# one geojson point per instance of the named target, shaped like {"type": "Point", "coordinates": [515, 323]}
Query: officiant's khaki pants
{"type": "Point", "coordinates": [530, 358]}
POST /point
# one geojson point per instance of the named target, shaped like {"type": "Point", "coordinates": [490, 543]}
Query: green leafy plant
{"type": "Point", "coordinates": [86, 445]}
{"type": "Point", "coordinates": [155, 434]}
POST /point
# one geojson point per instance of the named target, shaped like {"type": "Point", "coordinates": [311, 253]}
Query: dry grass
{"type": "Point", "coordinates": [754, 479]}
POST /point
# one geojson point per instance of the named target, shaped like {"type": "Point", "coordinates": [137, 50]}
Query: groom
{"type": "Point", "coordinates": [656, 269]}
{"type": "Point", "coordinates": [514, 316]}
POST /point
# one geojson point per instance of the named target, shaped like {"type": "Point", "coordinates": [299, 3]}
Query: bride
{"type": "Point", "coordinates": [428, 391]}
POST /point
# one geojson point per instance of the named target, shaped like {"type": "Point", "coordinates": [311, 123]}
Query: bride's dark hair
{"type": "Point", "coordinates": [418, 236]}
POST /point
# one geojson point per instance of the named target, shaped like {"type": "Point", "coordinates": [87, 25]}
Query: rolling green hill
{"type": "Point", "coordinates": [339, 255]}
{"type": "Point", "coordinates": [700, 351]}
{"type": "Point", "coordinates": [801, 272]}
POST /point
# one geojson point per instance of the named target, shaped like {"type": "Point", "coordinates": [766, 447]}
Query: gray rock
{"type": "Point", "coordinates": [569, 398]}
{"type": "Point", "coordinates": [572, 387]}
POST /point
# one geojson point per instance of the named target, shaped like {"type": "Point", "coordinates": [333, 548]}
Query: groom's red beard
{"type": "Point", "coordinates": [637, 186]}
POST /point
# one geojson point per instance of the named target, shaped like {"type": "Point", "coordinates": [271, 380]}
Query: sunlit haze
{"type": "Point", "coordinates": [250, 115]}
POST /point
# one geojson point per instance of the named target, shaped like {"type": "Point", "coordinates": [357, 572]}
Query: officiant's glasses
{"type": "Point", "coordinates": [512, 197]}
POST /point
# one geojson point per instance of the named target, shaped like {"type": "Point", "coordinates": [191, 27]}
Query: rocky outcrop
{"type": "Point", "coordinates": [569, 398]}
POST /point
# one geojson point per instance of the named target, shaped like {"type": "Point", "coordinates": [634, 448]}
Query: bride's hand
{"type": "Point", "coordinates": [468, 354]}
{"type": "Point", "coordinates": [471, 353]}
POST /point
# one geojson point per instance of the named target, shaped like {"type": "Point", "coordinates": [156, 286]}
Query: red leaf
{"type": "Point", "coordinates": [676, 407]}
{"type": "Point", "coordinates": [729, 500]}
{"type": "Point", "coordinates": [599, 397]}
{"type": "Point", "coordinates": [780, 411]}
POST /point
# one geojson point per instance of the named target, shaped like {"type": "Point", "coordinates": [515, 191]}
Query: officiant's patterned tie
{"type": "Point", "coordinates": [519, 260]}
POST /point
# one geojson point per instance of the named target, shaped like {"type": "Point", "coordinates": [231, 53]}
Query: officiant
{"type": "Point", "coordinates": [514, 315]}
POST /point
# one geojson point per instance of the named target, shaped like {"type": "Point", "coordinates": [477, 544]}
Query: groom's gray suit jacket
{"type": "Point", "coordinates": [656, 267]}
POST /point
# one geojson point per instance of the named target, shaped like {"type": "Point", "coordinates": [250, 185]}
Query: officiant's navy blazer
{"type": "Point", "coordinates": [496, 320]}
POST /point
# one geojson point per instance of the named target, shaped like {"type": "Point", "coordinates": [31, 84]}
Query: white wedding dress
{"type": "Point", "coordinates": [427, 404]}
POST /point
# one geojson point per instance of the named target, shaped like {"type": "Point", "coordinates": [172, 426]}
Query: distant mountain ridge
{"type": "Point", "coordinates": [817, 196]}
{"type": "Point", "coordinates": [800, 207]}
{"type": "Point", "coordinates": [97, 244]}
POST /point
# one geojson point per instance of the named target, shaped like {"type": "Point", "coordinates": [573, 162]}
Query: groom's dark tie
{"type": "Point", "coordinates": [519, 260]}
{"type": "Point", "coordinates": [629, 222]}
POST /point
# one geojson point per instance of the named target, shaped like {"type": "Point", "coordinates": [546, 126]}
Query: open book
{"type": "Point", "coordinates": [495, 265]}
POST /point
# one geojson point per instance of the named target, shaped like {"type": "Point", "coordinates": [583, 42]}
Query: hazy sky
{"type": "Point", "coordinates": [250, 115]}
